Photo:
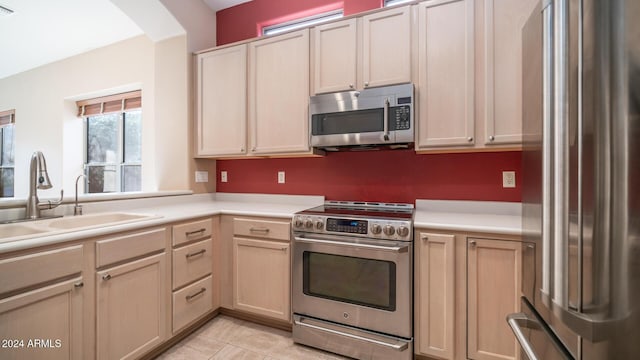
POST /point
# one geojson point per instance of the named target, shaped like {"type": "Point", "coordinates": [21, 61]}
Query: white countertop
{"type": "Point", "coordinates": [469, 216]}
{"type": "Point", "coordinates": [170, 209]}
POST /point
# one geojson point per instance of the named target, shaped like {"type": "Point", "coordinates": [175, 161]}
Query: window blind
{"type": "Point", "coordinates": [7, 117]}
{"type": "Point", "coordinates": [110, 104]}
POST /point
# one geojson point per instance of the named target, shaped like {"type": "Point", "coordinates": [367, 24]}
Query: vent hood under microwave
{"type": "Point", "coordinates": [368, 118]}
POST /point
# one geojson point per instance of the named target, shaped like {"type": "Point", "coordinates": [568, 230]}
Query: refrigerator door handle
{"type": "Point", "coordinates": [517, 321]}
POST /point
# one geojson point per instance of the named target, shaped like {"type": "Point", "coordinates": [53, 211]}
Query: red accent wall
{"type": "Point", "coordinates": [245, 21]}
{"type": "Point", "coordinates": [388, 175]}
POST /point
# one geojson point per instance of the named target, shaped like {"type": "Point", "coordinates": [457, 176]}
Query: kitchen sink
{"type": "Point", "coordinates": [85, 221]}
{"type": "Point", "coordinates": [12, 230]}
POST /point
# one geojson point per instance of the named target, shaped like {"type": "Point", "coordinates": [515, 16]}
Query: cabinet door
{"type": "Point", "coordinates": [503, 21]}
{"type": "Point", "coordinates": [279, 94]}
{"type": "Point", "coordinates": [222, 102]}
{"type": "Point", "coordinates": [493, 281]}
{"type": "Point", "coordinates": [386, 47]}
{"type": "Point", "coordinates": [45, 323]}
{"type": "Point", "coordinates": [435, 295]}
{"type": "Point", "coordinates": [446, 74]}
{"type": "Point", "coordinates": [131, 308]}
{"type": "Point", "coordinates": [261, 277]}
{"type": "Point", "coordinates": [335, 56]}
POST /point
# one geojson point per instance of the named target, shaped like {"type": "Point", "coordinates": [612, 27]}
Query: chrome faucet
{"type": "Point", "coordinates": [39, 179]}
{"type": "Point", "coordinates": [77, 209]}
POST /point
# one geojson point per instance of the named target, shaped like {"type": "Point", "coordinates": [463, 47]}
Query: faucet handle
{"type": "Point", "coordinates": [51, 204]}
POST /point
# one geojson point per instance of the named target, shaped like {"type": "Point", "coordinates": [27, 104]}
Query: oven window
{"type": "Point", "coordinates": [348, 122]}
{"type": "Point", "coordinates": [354, 280]}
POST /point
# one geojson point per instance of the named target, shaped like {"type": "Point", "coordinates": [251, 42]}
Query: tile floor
{"type": "Point", "coordinates": [227, 338]}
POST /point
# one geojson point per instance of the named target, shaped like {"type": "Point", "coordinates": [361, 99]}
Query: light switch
{"type": "Point", "coordinates": [281, 179]}
{"type": "Point", "coordinates": [508, 179]}
{"type": "Point", "coordinates": [223, 176]}
{"type": "Point", "coordinates": [202, 176]}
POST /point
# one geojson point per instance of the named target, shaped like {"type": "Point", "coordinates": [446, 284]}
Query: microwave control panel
{"type": "Point", "coordinates": [400, 117]}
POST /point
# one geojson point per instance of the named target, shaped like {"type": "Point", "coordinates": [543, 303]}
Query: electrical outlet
{"type": "Point", "coordinates": [223, 176]}
{"type": "Point", "coordinates": [280, 177]}
{"type": "Point", "coordinates": [202, 176]}
{"type": "Point", "coordinates": [508, 179]}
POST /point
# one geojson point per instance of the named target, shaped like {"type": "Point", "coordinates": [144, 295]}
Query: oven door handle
{"type": "Point", "coordinates": [395, 249]}
{"type": "Point", "coordinates": [385, 120]}
{"type": "Point", "coordinates": [397, 347]}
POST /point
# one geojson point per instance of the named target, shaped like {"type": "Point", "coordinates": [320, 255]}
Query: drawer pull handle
{"type": "Point", "coordinates": [78, 284]}
{"type": "Point", "coordinates": [200, 252]}
{"type": "Point", "coordinates": [259, 229]}
{"type": "Point", "coordinates": [472, 243]}
{"type": "Point", "coordinates": [199, 292]}
{"type": "Point", "coordinates": [199, 231]}
{"type": "Point", "coordinates": [106, 277]}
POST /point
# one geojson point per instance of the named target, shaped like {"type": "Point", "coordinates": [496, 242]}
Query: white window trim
{"type": "Point", "coordinates": [302, 22]}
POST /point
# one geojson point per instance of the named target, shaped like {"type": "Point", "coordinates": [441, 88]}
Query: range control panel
{"type": "Point", "coordinates": [389, 229]}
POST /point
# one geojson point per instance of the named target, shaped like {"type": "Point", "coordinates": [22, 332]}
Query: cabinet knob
{"type": "Point", "coordinates": [366, 84]}
{"type": "Point", "coordinates": [424, 238]}
{"type": "Point", "coordinates": [350, 86]}
{"type": "Point", "coordinates": [241, 149]}
{"type": "Point", "coordinates": [78, 284]}
{"type": "Point", "coordinates": [491, 138]}
{"type": "Point", "coordinates": [472, 243]}
{"type": "Point", "coordinates": [106, 277]}
{"type": "Point", "coordinates": [470, 139]}
{"type": "Point", "coordinates": [253, 149]}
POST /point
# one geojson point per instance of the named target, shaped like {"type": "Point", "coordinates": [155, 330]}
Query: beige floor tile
{"type": "Point", "coordinates": [222, 328]}
{"type": "Point", "coordinates": [230, 352]}
{"type": "Point", "coordinates": [179, 352]}
{"type": "Point", "coordinates": [261, 339]}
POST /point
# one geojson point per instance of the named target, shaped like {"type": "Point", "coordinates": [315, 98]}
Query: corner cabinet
{"type": "Point", "coordinates": [446, 74]}
{"type": "Point", "coordinates": [279, 94]}
{"type": "Point", "coordinates": [221, 103]}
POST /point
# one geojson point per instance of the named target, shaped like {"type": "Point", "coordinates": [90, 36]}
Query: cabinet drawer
{"type": "Point", "coordinates": [191, 231]}
{"type": "Point", "coordinates": [192, 262]}
{"type": "Point", "coordinates": [129, 246]}
{"type": "Point", "coordinates": [24, 271]}
{"type": "Point", "coordinates": [191, 302]}
{"type": "Point", "coordinates": [279, 230]}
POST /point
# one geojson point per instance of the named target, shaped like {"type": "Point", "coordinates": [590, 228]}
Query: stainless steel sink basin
{"type": "Point", "coordinates": [86, 221]}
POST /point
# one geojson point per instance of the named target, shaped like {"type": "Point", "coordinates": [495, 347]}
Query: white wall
{"type": "Point", "coordinates": [44, 99]}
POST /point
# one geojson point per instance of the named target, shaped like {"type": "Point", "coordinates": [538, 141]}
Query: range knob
{"type": "Point", "coordinates": [376, 229]}
{"type": "Point", "coordinates": [389, 230]}
{"type": "Point", "coordinates": [308, 223]}
{"type": "Point", "coordinates": [298, 222]}
{"type": "Point", "coordinates": [403, 231]}
{"type": "Point", "coordinates": [319, 225]}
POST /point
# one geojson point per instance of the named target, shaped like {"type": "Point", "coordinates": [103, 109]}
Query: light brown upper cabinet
{"type": "Point", "coordinates": [502, 45]}
{"type": "Point", "coordinates": [373, 50]}
{"type": "Point", "coordinates": [446, 74]}
{"type": "Point", "coordinates": [222, 102]}
{"type": "Point", "coordinates": [278, 94]}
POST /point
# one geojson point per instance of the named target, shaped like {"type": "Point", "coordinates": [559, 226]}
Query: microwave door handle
{"type": "Point", "coordinates": [385, 119]}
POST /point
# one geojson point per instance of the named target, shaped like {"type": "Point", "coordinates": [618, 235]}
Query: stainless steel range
{"type": "Point", "coordinates": [352, 284]}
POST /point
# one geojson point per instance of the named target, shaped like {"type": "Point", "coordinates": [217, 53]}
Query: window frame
{"type": "Point", "coordinates": [300, 23]}
{"type": "Point", "coordinates": [8, 117]}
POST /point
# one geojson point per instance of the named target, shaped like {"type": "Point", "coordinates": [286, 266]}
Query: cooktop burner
{"type": "Point", "coordinates": [363, 209]}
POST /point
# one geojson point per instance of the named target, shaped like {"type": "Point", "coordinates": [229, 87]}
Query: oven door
{"type": "Point", "coordinates": [362, 283]}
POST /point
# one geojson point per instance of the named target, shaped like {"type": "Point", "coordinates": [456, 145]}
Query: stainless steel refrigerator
{"type": "Point", "coordinates": [581, 181]}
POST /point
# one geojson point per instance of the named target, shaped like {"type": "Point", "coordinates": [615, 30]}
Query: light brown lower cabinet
{"type": "Point", "coordinates": [465, 286]}
{"type": "Point", "coordinates": [45, 323]}
{"type": "Point", "coordinates": [131, 307]}
{"type": "Point", "coordinates": [494, 275]}
{"type": "Point", "coordinates": [261, 277]}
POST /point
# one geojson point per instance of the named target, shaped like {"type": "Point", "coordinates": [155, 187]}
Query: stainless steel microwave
{"type": "Point", "coordinates": [378, 116]}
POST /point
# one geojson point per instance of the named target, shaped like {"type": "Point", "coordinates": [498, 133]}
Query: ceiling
{"type": "Point", "coordinates": [44, 31]}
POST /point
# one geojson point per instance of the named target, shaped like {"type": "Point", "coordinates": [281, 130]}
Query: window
{"type": "Point", "coordinates": [113, 151]}
{"type": "Point", "coordinates": [395, 2]}
{"type": "Point", "coordinates": [301, 23]}
{"type": "Point", "coordinates": [7, 149]}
